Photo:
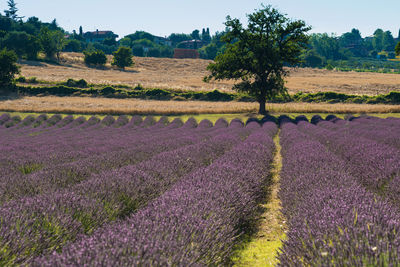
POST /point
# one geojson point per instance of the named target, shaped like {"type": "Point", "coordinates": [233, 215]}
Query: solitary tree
{"type": "Point", "coordinates": [53, 42]}
{"type": "Point", "coordinates": [123, 57]}
{"type": "Point", "coordinates": [257, 54]}
{"type": "Point", "coordinates": [8, 67]}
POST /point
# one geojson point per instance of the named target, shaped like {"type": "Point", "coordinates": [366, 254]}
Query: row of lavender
{"type": "Point", "coordinates": [385, 131]}
{"type": "Point", "coordinates": [42, 131]}
{"type": "Point", "coordinates": [60, 157]}
{"type": "Point", "coordinates": [196, 222]}
{"type": "Point", "coordinates": [376, 165]}
{"type": "Point", "coordinates": [65, 201]}
{"type": "Point", "coordinates": [340, 193]}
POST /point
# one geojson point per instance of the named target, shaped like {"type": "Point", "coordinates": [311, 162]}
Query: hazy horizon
{"type": "Point", "coordinates": [178, 16]}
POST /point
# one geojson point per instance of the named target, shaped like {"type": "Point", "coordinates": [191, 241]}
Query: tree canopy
{"type": "Point", "coordinates": [398, 49]}
{"type": "Point", "coordinates": [97, 58]}
{"type": "Point", "coordinates": [123, 57]}
{"type": "Point", "coordinates": [8, 67]}
{"type": "Point", "coordinates": [53, 42]}
{"type": "Point", "coordinates": [257, 54]}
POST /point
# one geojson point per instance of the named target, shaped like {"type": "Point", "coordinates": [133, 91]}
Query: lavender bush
{"type": "Point", "coordinates": [332, 219]}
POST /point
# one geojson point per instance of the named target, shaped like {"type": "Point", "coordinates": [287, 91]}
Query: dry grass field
{"type": "Point", "coordinates": [89, 105]}
{"type": "Point", "coordinates": [187, 74]}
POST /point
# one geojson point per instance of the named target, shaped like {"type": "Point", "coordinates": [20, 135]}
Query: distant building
{"type": "Point", "coordinates": [186, 53]}
{"type": "Point", "coordinates": [162, 41]}
{"type": "Point", "coordinates": [192, 44]}
{"type": "Point", "coordinates": [98, 36]}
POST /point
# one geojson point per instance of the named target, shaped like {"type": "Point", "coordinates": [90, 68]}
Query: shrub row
{"type": "Point", "coordinates": [154, 94]}
{"type": "Point", "coordinates": [333, 97]}
{"type": "Point", "coordinates": [81, 87]}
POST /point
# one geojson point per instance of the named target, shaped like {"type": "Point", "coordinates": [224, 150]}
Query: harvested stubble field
{"type": "Point", "coordinates": [91, 105]}
{"type": "Point", "coordinates": [187, 74]}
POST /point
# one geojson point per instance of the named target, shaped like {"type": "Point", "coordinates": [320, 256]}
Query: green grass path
{"type": "Point", "coordinates": [263, 247]}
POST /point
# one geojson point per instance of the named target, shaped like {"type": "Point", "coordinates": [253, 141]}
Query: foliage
{"type": "Point", "coordinates": [209, 51]}
{"type": "Point", "coordinates": [398, 49]}
{"type": "Point", "coordinates": [140, 35]}
{"type": "Point", "coordinates": [350, 47]}
{"type": "Point", "coordinates": [146, 46]}
{"type": "Point", "coordinates": [76, 83]}
{"type": "Point", "coordinates": [354, 42]}
{"type": "Point", "coordinates": [110, 42]}
{"type": "Point", "coordinates": [177, 38]}
{"type": "Point", "coordinates": [143, 42]}
{"type": "Point", "coordinates": [138, 51]}
{"type": "Point", "coordinates": [123, 57]}
{"type": "Point", "coordinates": [21, 79]}
{"type": "Point", "coordinates": [391, 55]}
{"type": "Point", "coordinates": [327, 46]}
{"type": "Point", "coordinates": [108, 90]}
{"type": "Point", "coordinates": [73, 45]}
{"type": "Point", "coordinates": [214, 48]}
{"type": "Point", "coordinates": [23, 44]}
{"type": "Point", "coordinates": [312, 59]}
{"type": "Point", "coordinates": [206, 36]}
{"type": "Point", "coordinates": [47, 42]}
{"type": "Point", "coordinates": [8, 67]}
{"type": "Point", "coordinates": [97, 58]}
{"type": "Point", "coordinates": [166, 51]}
{"type": "Point", "coordinates": [100, 46]}
{"type": "Point", "coordinates": [153, 52]}
{"type": "Point", "coordinates": [126, 42]}
{"type": "Point", "coordinates": [32, 80]}
{"type": "Point", "coordinates": [195, 35]}
{"type": "Point", "coordinates": [52, 42]}
{"type": "Point", "coordinates": [257, 55]}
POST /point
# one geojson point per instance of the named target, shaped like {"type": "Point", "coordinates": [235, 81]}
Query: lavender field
{"type": "Point", "coordinates": [133, 191]}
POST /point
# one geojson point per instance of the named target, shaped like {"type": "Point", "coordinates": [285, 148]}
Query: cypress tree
{"type": "Point", "coordinates": [12, 10]}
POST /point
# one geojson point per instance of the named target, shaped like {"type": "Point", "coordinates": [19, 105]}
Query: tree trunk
{"type": "Point", "coordinates": [262, 108]}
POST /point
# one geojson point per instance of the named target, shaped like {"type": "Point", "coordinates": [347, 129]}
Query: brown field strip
{"type": "Point", "coordinates": [187, 74]}
{"type": "Point", "coordinates": [89, 105]}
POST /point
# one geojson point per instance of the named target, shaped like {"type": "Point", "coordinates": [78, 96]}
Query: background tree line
{"type": "Point", "coordinates": [325, 49]}
{"type": "Point", "coordinates": [31, 36]}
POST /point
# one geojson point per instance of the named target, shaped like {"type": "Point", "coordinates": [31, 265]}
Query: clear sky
{"type": "Point", "coordinates": [162, 17]}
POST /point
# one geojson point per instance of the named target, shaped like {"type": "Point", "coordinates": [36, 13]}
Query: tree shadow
{"type": "Point", "coordinates": [6, 94]}
{"type": "Point", "coordinates": [131, 71]}
{"type": "Point", "coordinates": [125, 70]}
{"type": "Point", "coordinates": [31, 63]}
